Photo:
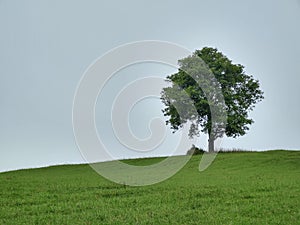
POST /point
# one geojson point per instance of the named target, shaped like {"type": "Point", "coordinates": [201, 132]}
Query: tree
{"type": "Point", "coordinates": [239, 94]}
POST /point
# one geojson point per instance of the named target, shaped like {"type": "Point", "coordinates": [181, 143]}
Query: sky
{"type": "Point", "coordinates": [47, 45]}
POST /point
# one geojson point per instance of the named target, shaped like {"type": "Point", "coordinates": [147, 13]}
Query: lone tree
{"type": "Point", "coordinates": [240, 92]}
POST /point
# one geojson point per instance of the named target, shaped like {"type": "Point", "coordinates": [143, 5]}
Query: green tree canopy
{"type": "Point", "coordinates": [238, 90]}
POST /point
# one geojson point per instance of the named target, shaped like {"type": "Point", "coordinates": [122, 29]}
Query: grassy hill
{"type": "Point", "coordinates": [238, 188]}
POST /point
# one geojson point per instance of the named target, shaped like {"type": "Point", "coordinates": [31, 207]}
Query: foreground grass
{"type": "Point", "coordinates": [238, 188]}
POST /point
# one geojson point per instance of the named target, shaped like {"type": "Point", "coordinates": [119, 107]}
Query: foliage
{"type": "Point", "coordinates": [195, 151]}
{"type": "Point", "coordinates": [240, 92]}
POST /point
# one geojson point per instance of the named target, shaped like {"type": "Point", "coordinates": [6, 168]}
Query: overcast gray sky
{"type": "Point", "coordinates": [45, 46]}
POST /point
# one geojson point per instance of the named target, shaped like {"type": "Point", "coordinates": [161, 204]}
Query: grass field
{"type": "Point", "coordinates": [238, 188]}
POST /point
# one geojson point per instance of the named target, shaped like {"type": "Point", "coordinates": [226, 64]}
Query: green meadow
{"type": "Point", "coordinates": [238, 188]}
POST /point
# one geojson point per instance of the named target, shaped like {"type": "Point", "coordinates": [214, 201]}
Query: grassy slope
{"type": "Point", "coordinates": [238, 188]}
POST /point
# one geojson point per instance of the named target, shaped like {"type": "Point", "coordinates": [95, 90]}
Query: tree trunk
{"type": "Point", "coordinates": [211, 142]}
